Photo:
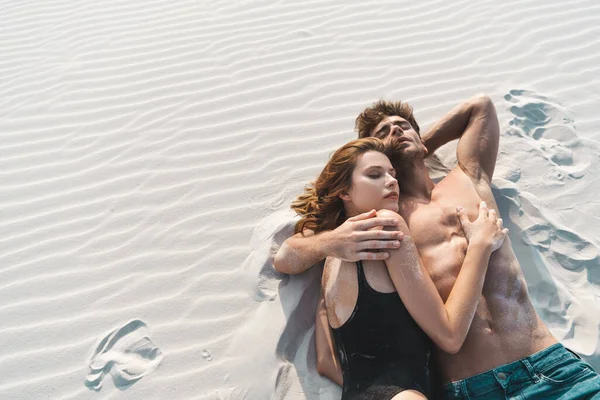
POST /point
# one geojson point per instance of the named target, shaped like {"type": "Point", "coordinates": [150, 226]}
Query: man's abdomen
{"type": "Point", "coordinates": [503, 330]}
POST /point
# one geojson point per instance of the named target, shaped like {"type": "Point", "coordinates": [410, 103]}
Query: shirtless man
{"type": "Point", "coordinates": [509, 351]}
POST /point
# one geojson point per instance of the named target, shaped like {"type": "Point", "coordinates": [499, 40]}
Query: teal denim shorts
{"type": "Point", "coordinates": [553, 373]}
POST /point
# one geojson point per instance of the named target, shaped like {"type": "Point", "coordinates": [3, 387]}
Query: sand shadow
{"type": "Point", "coordinates": [297, 295]}
{"type": "Point", "coordinates": [552, 256]}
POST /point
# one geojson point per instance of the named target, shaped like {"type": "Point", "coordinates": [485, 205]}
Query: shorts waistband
{"type": "Point", "coordinates": [509, 374]}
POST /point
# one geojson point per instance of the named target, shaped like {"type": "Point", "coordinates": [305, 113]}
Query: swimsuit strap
{"type": "Point", "coordinates": [362, 279]}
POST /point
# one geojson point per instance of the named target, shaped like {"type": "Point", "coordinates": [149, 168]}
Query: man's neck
{"type": "Point", "coordinates": [414, 180]}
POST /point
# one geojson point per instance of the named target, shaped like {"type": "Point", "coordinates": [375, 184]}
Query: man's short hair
{"type": "Point", "coordinates": [372, 116]}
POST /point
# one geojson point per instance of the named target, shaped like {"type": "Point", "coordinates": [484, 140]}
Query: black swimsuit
{"type": "Point", "coordinates": [381, 348]}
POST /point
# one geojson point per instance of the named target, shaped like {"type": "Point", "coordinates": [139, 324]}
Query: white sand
{"type": "Point", "coordinates": [149, 152]}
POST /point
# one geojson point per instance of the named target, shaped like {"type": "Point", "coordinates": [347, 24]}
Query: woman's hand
{"type": "Point", "coordinates": [486, 229]}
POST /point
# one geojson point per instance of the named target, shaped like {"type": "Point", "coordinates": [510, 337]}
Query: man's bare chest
{"type": "Point", "coordinates": [435, 226]}
{"type": "Point", "coordinates": [436, 221]}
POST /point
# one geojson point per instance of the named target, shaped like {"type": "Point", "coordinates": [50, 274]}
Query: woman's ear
{"type": "Point", "coordinates": [345, 196]}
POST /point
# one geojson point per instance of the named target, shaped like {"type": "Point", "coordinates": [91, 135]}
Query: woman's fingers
{"type": "Point", "coordinates": [483, 210]}
{"type": "Point", "coordinates": [499, 223]}
{"type": "Point", "coordinates": [462, 216]}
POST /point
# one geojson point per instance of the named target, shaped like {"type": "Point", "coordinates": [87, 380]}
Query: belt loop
{"type": "Point", "coordinates": [464, 390]}
{"type": "Point", "coordinates": [531, 371]}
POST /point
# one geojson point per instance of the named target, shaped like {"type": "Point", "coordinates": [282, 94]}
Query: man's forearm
{"type": "Point", "coordinates": [453, 125]}
{"type": "Point", "coordinates": [297, 254]}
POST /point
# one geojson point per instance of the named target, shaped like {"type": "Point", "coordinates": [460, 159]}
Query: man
{"type": "Point", "coordinates": [509, 351]}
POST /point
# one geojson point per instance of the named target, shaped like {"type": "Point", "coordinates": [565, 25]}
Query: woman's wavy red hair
{"type": "Point", "coordinates": [320, 206]}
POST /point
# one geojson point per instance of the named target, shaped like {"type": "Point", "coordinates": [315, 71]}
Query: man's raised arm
{"type": "Point", "coordinates": [475, 123]}
{"type": "Point", "coordinates": [354, 240]}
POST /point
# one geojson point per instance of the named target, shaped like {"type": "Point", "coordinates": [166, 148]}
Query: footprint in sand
{"type": "Point", "coordinates": [572, 251]}
{"type": "Point", "coordinates": [568, 248]}
{"type": "Point", "coordinates": [126, 353]}
{"type": "Point", "coordinates": [546, 121]}
{"type": "Point", "coordinates": [534, 114]}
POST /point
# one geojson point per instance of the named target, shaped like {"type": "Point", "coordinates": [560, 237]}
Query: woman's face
{"type": "Point", "coordinates": [374, 185]}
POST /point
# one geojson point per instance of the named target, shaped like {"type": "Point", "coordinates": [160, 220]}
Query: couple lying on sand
{"type": "Point", "coordinates": [420, 279]}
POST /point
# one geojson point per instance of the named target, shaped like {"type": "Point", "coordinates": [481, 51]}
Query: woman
{"type": "Point", "coordinates": [384, 314]}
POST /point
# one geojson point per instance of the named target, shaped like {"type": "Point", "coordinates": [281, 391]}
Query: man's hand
{"type": "Point", "coordinates": [359, 238]}
{"type": "Point", "coordinates": [356, 239]}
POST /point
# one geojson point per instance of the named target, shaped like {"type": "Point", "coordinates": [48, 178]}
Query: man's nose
{"type": "Point", "coordinates": [397, 131]}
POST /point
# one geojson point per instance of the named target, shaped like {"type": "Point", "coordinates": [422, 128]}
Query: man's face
{"type": "Point", "coordinates": [399, 130]}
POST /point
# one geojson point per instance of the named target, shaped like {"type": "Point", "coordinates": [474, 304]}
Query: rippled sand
{"type": "Point", "coordinates": [149, 152]}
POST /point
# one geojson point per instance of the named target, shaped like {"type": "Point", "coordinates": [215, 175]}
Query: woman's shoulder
{"type": "Point", "coordinates": [402, 224]}
{"type": "Point", "coordinates": [384, 213]}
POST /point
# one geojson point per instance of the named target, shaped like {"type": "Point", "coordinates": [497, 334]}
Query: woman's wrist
{"type": "Point", "coordinates": [480, 244]}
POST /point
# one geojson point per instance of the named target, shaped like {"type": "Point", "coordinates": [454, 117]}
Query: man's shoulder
{"type": "Point", "coordinates": [458, 185]}
{"type": "Point", "coordinates": [457, 177]}
{"type": "Point", "coordinates": [461, 175]}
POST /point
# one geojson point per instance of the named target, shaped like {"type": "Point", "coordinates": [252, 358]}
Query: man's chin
{"type": "Point", "coordinates": [406, 157]}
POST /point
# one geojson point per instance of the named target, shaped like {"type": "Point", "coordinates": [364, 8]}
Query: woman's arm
{"type": "Point", "coordinates": [327, 362]}
{"type": "Point", "coordinates": [446, 324]}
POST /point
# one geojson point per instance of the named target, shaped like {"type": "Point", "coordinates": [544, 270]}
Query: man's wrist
{"type": "Point", "coordinates": [323, 244]}
{"type": "Point", "coordinates": [428, 145]}
{"type": "Point", "coordinates": [452, 125]}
